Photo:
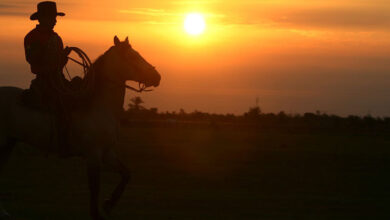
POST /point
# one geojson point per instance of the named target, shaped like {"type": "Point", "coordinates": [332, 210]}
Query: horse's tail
{"type": "Point", "coordinates": [6, 142]}
{"type": "Point", "coordinates": [6, 147]}
{"type": "Point", "coordinates": [8, 96]}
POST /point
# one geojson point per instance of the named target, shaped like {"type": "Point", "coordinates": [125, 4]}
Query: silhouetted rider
{"type": "Point", "coordinates": [44, 48]}
{"type": "Point", "coordinates": [45, 53]}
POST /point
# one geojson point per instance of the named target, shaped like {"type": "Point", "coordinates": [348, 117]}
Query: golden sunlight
{"type": "Point", "coordinates": [194, 24]}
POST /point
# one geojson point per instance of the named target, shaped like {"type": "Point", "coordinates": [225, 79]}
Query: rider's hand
{"type": "Point", "coordinates": [67, 51]}
{"type": "Point", "coordinates": [64, 58]}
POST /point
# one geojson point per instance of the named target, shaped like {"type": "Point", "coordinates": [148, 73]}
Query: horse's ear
{"type": "Point", "coordinates": [127, 40]}
{"type": "Point", "coordinates": [116, 41]}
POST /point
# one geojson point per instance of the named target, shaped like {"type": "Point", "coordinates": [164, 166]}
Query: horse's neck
{"type": "Point", "coordinates": [108, 95]}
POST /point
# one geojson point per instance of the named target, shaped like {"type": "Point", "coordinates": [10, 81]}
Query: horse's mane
{"type": "Point", "coordinates": [95, 67]}
{"type": "Point", "coordinates": [93, 75]}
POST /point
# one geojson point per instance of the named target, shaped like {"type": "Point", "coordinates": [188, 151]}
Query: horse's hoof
{"type": "Point", "coordinates": [95, 218]}
{"type": "Point", "coordinates": [4, 215]}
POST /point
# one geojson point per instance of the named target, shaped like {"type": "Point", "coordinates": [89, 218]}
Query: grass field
{"type": "Point", "coordinates": [214, 173]}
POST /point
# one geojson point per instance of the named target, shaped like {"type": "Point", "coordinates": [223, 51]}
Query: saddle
{"type": "Point", "coordinates": [44, 97]}
{"type": "Point", "coordinates": [41, 97]}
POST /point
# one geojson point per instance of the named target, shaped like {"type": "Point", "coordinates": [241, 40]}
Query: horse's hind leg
{"type": "Point", "coordinates": [6, 146]}
{"type": "Point", "coordinates": [93, 170]}
{"type": "Point", "coordinates": [114, 162]}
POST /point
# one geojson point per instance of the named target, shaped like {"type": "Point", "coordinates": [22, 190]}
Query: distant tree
{"type": "Point", "coordinates": [282, 116]}
{"type": "Point", "coordinates": [135, 103]}
{"type": "Point", "coordinates": [253, 112]}
{"type": "Point", "coordinates": [154, 111]}
{"type": "Point", "coordinates": [182, 112]}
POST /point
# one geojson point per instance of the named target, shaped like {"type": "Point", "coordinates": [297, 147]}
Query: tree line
{"type": "Point", "coordinates": [255, 118]}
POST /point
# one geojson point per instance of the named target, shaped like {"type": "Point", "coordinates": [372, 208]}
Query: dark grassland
{"type": "Point", "coordinates": [214, 172]}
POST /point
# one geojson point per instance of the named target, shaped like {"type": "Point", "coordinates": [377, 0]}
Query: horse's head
{"type": "Point", "coordinates": [127, 64]}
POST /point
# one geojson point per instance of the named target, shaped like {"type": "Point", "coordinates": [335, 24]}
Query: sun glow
{"type": "Point", "coordinates": [194, 24]}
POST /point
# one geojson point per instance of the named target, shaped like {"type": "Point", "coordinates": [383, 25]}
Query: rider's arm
{"type": "Point", "coordinates": [34, 51]}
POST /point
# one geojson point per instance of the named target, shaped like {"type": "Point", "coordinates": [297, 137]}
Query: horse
{"type": "Point", "coordinates": [94, 126]}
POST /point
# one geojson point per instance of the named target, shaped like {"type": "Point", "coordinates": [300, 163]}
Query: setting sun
{"type": "Point", "coordinates": [194, 24]}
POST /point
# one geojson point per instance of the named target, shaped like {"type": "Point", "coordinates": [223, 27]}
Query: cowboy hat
{"type": "Point", "coordinates": [46, 8]}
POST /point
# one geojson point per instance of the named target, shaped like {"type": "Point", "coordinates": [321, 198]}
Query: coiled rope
{"type": "Point", "coordinates": [64, 88]}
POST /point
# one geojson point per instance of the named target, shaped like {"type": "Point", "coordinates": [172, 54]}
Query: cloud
{"type": "Point", "coordinates": [6, 6]}
{"type": "Point", "coordinates": [25, 7]}
{"type": "Point", "coordinates": [204, 2]}
{"type": "Point", "coordinates": [343, 14]}
{"type": "Point", "coordinates": [340, 18]}
{"type": "Point", "coordinates": [307, 14]}
{"type": "Point", "coordinates": [13, 13]}
{"type": "Point", "coordinates": [148, 12]}
{"type": "Point", "coordinates": [14, 8]}
{"type": "Point", "coordinates": [159, 16]}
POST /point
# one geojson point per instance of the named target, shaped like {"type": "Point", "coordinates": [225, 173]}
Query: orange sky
{"type": "Point", "coordinates": [296, 56]}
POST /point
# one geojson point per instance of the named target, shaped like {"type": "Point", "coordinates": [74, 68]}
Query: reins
{"type": "Point", "coordinates": [86, 64]}
{"type": "Point", "coordinates": [142, 88]}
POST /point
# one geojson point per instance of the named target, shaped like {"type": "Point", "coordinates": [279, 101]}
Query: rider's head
{"type": "Point", "coordinates": [47, 21]}
{"type": "Point", "coordinates": [46, 14]}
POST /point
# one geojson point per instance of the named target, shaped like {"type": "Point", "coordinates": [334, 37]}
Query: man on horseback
{"type": "Point", "coordinates": [44, 49]}
{"type": "Point", "coordinates": [95, 127]}
{"type": "Point", "coordinates": [47, 57]}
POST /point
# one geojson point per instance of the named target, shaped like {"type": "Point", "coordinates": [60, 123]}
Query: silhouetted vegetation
{"type": "Point", "coordinates": [254, 118]}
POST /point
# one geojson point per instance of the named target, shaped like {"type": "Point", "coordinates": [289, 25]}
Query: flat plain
{"type": "Point", "coordinates": [213, 172]}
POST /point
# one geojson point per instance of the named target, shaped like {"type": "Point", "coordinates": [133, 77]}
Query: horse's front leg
{"type": "Point", "coordinates": [93, 171]}
{"type": "Point", "coordinates": [114, 162]}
